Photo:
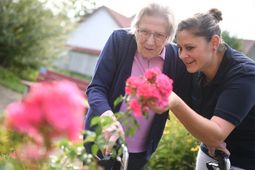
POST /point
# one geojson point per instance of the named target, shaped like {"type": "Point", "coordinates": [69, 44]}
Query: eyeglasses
{"type": "Point", "coordinates": [145, 35]}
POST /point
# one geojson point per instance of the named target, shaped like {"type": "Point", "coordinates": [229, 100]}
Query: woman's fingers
{"type": "Point", "coordinates": [111, 134]}
{"type": "Point", "coordinates": [222, 147]}
{"type": "Point", "coordinates": [112, 141]}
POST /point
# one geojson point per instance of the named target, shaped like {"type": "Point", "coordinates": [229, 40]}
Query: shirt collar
{"type": "Point", "coordinates": [161, 55]}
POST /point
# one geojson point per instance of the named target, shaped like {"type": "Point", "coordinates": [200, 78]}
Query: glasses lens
{"type": "Point", "coordinates": [145, 34]}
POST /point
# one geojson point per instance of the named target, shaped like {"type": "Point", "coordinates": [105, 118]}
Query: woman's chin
{"type": "Point", "coordinates": [191, 69]}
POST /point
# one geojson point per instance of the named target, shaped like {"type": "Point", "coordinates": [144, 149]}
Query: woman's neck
{"type": "Point", "coordinates": [212, 71]}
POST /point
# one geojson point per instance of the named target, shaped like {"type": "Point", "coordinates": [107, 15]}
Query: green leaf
{"type": "Point", "coordinates": [90, 136]}
{"type": "Point", "coordinates": [105, 121]}
{"type": "Point", "coordinates": [95, 121]}
{"type": "Point", "coordinates": [118, 100]}
{"type": "Point", "coordinates": [94, 149]}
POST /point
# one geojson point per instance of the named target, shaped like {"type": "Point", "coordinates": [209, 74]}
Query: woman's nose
{"type": "Point", "coordinates": [182, 54]}
{"type": "Point", "coordinates": [150, 39]}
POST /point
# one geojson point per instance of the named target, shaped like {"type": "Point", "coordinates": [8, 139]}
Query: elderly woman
{"type": "Point", "coordinates": [130, 53]}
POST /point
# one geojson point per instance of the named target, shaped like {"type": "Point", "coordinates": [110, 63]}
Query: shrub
{"type": "Point", "coordinates": [177, 149]}
{"type": "Point", "coordinates": [30, 34]}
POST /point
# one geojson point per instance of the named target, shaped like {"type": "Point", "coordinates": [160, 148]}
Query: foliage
{"type": "Point", "coordinates": [76, 10]}
{"type": "Point", "coordinates": [43, 130]}
{"type": "Point", "coordinates": [232, 41]}
{"type": "Point", "coordinates": [30, 34]}
{"type": "Point", "coordinates": [10, 80]}
{"type": "Point", "coordinates": [177, 149]}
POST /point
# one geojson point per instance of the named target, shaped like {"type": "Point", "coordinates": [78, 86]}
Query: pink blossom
{"type": "Point", "coordinates": [164, 84]}
{"type": "Point", "coordinates": [49, 110]}
{"type": "Point", "coordinates": [132, 83]}
{"type": "Point", "coordinates": [151, 74]}
{"type": "Point", "coordinates": [135, 107]}
{"type": "Point", "coordinates": [153, 87]}
{"type": "Point", "coordinates": [69, 115]}
{"type": "Point", "coordinates": [31, 152]}
{"type": "Point", "coordinates": [25, 118]}
{"type": "Point", "coordinates": [146, 90]}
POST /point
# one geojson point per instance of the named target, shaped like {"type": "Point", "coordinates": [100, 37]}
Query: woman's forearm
{"type": "Point", "coordinates": [211, 132]}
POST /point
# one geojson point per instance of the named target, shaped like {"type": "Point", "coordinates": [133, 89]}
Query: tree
{"type": "Point", "coordinates": [74, 9]}
{"type": "Point", "coordinates": [232, 41]}
{"type": "Point", "coordinates": [31, 34]}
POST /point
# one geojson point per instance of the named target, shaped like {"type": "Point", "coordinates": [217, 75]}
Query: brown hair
{"type": "Point", "coordinates": [203, 24]}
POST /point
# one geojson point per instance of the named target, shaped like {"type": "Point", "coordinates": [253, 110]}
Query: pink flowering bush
{"type": "Point", "coordinates": [49, 112]}
{"type": "Point", "coordinates": [153, 87]}
{"type": "Point", "coordinates": [141, 93]}
{"type": "Point", "coordinates": [48, 122]}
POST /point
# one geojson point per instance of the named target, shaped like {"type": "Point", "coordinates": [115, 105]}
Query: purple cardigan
{"type": "Point", "coordinates": [112, 70]}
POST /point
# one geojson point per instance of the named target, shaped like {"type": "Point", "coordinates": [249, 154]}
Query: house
{"type": "Point", "coordinates": [248, 47]}
{"type": "Point", "coordinates": [88, 39]}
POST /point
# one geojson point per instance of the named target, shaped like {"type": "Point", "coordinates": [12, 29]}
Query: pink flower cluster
{"type": "Point", "coordinates": [153, 87]}
{"type": "Point", "coordinates": [48, 111]}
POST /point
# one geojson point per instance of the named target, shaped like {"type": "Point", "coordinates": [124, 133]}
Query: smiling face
{"type": "Point", "coordinates": [196, 52]}
{"type": "Point", "coordinates": [151, 36]}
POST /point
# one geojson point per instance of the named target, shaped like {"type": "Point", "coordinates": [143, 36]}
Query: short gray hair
{"type": "Point", "coordinates": [155, 9]}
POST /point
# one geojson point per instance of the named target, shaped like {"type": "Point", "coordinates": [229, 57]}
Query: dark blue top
{"type": "Point", "coordinates": [231, 96]}
{"type": "Point", "coordinates": [114, 67]}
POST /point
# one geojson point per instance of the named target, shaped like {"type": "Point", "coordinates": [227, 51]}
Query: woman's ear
{"type": "Point", "coordinates": [215, 41]}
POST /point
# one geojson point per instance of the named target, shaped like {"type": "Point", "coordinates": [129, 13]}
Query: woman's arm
{"type": "Point", "coordinates": [211, 132]}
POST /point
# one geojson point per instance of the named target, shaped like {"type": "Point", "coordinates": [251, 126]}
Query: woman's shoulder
{"type": "Point", "coordinates": [123, 32]}
{"type": "Point", "coordinates": [240, 62]}
{"type": "Point", "coordinates": [123, 36]}
{"type": "Point", "coordinates": [172, 49]}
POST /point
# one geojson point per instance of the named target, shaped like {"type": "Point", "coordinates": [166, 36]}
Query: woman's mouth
{"type": "Point", "coordinates": [189, 62]}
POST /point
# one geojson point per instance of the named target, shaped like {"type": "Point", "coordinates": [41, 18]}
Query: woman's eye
{"type": "Point", "coordinates": [189, 48]}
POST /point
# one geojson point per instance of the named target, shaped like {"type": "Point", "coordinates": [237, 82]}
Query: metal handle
{"type": "Point", "coordinates": [223, 161]}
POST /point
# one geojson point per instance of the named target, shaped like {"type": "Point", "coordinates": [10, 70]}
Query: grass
{"type": "Point", "coordinates": [11, 80]}
{"type": "Point", "coordinates": [72, 74]}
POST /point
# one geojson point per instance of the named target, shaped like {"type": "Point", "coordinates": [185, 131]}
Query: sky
{"type": "Point", "coordinates": [238, 15]}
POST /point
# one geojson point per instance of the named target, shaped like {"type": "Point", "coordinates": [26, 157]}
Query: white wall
{"type": "Point", "coordinates": [77, 62]}
{"type": "Point", "coordinates": [82, 63]}
{"type": "Point", "coordinates": [94, 31]}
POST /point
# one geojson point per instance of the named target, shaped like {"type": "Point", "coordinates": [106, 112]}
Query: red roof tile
{"type": "Point", "coordinates": [84, 50]}
{"type": "Point", "coordinates": [122, 20]}
{"type": "Point", "coordinates": [247, 44]}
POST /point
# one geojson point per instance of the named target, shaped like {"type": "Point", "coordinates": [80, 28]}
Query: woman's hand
{"type": "Point", "coordinates": [172, 102]}
{"type": "Point", "coordinates": [112, 132]}
{"type": "Point", "coordinates": [157, 109]}
{"type": "Point", "coordinates": [222, 147]}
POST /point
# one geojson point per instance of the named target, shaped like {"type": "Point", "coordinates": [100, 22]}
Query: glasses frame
{"type": "Point", "coordinates": [145, 34]}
